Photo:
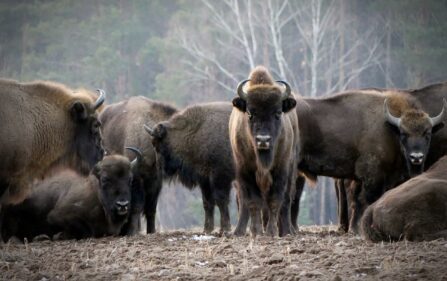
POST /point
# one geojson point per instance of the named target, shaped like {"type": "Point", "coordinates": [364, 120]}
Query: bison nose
{"type": "Point", "coordinates": [416, 158]}
{"type": "Point", "coordinates": [263, 141]}
{"type": "Point", "coordinates": [122, 206]}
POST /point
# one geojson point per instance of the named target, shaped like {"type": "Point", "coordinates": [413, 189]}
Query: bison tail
{"type": "Point", "coordinates": [367, 228]}
{"type": "Point", "coordinates": [260, 75]}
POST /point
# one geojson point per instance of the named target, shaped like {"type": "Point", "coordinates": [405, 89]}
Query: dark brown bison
{"type": "Point", "coordinates": [73, 204]}
{"type": "Point", "coordinates": [264, 136]}
{"type": "Point", "coordinates": [194, 147]}
{"type": "Point", "coordinates": [428, 98]}
{"type": "Point", "coordinates": [415, 210]}
{"type": "Point", "coordinates": [122, 126]}
{"type": "Point", "coordinates": [43, 125]}
{"type": "Point", "coordinates": [379, 139]}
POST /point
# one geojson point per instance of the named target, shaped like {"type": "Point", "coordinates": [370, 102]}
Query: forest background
{"type": "Point", "coordinates": [192, 51]}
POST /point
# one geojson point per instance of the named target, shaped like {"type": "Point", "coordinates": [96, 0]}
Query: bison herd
{"type": "Point", "coordinates": [73, 167]}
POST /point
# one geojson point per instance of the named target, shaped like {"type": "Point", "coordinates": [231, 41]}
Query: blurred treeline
{"type": "Point", "coordinates": [185, 52]}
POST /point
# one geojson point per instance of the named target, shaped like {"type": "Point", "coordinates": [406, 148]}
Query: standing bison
{"type": "Point", "coordinates": [377, 138]}
{"type": "Point", "coordinates": [122, 126]}
{"type": "Point", "coordinates": [194, 146]}
{"type": "Point", "coordinates": [430, 98]}
{"type": "Point", "coordinates": [264, 137]}
{"type": "Point", "coordinates": [43, 125]}
{"type": "Point", "coordinates": [75, 205]}
{"type": "Point", "coordinates": [416, 210]}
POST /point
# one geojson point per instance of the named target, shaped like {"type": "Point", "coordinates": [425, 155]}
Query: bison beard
{"type": "Point", "coordinates": [265, 158]}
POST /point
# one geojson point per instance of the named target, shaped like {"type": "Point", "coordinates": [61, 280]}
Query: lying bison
{"type": "Point", "coordinates": [122, 125]}
{"type": "Point", "coordinates": [75, 205]}
{"type": "Point", "coordinates": [264, 137]}
{"type": "Point", "coordinates": [416, 210]}
{"type": "Point", "coordinates": [194, 146]}
{"type": "Point", "coordinates": [43, 125]}
{"type": "Point", "coordinates": [376, 138]}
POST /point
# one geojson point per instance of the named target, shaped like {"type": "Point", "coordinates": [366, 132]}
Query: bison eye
{"type": "Point", "coordinates": [403, 136]}
{"type": "Point", "coordinates": [278, 114]}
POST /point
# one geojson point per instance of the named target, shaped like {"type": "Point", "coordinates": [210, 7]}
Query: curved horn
{"type": "Point", "coordinates": [287, 92]}
{"type": "Point", "coordinates": [100, 100]}
{"type": "Point", "coordinates": [149, 130]}
{"type": "Point", "coordinates": [138, 159]}
{"type": "Point", "coordinates": [240, 90]}
{"type": "Point", "coordinates": [438, 119]}
{"type": "Point", "coordinates": [389, 117]}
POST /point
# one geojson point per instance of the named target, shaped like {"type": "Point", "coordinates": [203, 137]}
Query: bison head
{"type": "Point", "coordinates": [415, 129]}
{"type": "Point", "coordinates": [160, 141]}
{"type": "Point", "coordinates": [264, 105]}
{"type": "Point", "coordinates": [114, 174]}
{"type": "Point", "coordinates": [87, 143]}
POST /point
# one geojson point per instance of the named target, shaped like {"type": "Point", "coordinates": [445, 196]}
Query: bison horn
{"type": "Point", "coordinates": [149, 130]}
{"type": "Point", "coordinates": [240, 90]}
{"type": "Point", "coordinates": [287, 92]}
{"type": "Point", "coordinates": [100, 100]}
{"type": "Point", "coordinates": [438, 119]}
{"type": "Point", "coordinates": [136, 161]}
{"type": "Point", "coordinates": [389, 117]}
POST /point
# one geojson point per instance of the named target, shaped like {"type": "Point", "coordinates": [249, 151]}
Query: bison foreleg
{"type": "Point", "coordinates": [242, 222]}
{"type": "Point", "coordinates": [255, 216]}
{"type": "Point", "coordinates": [150, 204]}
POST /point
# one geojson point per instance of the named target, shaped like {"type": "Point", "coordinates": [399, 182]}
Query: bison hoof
{"type": "Point", "coordinates": [239, 232]}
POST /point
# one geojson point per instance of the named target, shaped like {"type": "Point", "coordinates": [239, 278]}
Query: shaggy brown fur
{"type": "Point", "coordinates": [264, 177]}
{"type": "Point", "coordinates": [76, 205]}
{"type": "Point", "coordinates": [261, 76]}
{"type": "Point", "coordinates": [122, 126]}
{"type": "Point", "coordinates": [416, 210]}
{"type": "Point", "coordinates": [43, 125]}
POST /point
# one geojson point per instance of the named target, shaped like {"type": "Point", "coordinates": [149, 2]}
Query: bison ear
{"type": "Point", "coordinates": [78, 111]}
{"type": "Point", "coordinates": [240, 104]}
{"type": "Point", "coordinates": [288, 104]}
{"type": "Point", "coordinates": [437, 127]}
{"type": "Point", "coordinates": [159, 131]}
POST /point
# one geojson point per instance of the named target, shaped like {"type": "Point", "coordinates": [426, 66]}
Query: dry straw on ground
{"type": "Point", "coordinates": [316, 253]}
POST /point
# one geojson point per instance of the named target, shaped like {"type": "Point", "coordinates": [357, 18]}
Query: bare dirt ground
{"type": "Point", "coordinates": [316, 253]}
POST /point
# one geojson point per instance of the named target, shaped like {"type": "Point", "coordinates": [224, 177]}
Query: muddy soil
{"type": "Point", "coordinates": [316, 253]}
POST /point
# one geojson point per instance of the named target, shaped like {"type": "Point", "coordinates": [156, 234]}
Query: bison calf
{"type": "Point", "coordinates": [75, 205]}
{"type": "Point", "coordinates": [416, 210]}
